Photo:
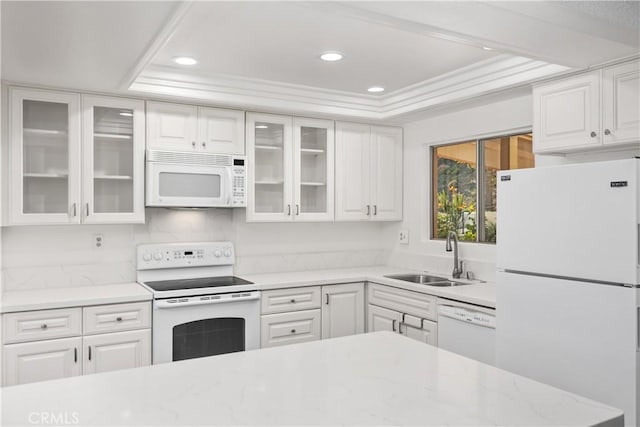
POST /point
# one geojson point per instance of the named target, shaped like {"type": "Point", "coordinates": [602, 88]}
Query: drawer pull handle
{"type": "Point", "coordinates": [43, 326]}
{"type": "Point", "coordinates": [293, 300]}
{"type": "Point", "coordinates": [89, 352]}
{"type": "Point", "coordinates": [75, 355]}
{"type": "Point", "coordinates": [293, 331]}
{"type": "Point", "coordinates": [393, 325]}
{"type": "Point", "coordinates": [327, 299]}
{"type": "Point", "coordinates": [118, 319]}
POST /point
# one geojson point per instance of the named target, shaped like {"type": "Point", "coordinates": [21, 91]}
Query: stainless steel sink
{"type": "Point", "coordinates": [425, 279]}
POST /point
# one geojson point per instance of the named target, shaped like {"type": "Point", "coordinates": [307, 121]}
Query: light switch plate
{"type": "Point", "coordinates": [404, 237]}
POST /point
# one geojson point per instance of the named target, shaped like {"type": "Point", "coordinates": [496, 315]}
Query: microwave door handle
{"type": "Point", "coordinates": [229, 186]}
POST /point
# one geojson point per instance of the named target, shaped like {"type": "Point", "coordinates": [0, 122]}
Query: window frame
{"type": "Point", "coordinates": [480, 178]}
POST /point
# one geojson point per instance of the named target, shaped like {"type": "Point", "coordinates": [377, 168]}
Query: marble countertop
{"type": "Point", "coordinates": [476, 293]}
{"type": "Point", "coordinates": [369, 379]}
{"type": "Point", "coordinates": [43, 299]}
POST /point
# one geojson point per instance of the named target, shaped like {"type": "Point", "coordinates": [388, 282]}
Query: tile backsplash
{"type": "Point", "coordinates": [61, 256]}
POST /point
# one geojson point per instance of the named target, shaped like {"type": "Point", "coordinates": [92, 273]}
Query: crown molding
{"type": "Point", "coordinates": [501, 72]}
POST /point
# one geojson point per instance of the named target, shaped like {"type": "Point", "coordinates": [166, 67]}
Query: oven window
{"type": "Point", "coordinates": [208, 337]}
{"type": "Point", "coordinates": [174, 184]}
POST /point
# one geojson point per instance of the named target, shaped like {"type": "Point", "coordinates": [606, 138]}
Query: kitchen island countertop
{"type": "Point", "coordinates": [368, 379]}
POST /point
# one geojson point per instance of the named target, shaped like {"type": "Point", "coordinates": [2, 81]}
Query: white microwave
{"type": "Point", "coordinates": [195, 180]}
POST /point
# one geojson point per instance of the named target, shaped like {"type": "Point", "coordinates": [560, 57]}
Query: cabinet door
{"type": "Point", "coordinates": [270, 171]}
{"type": "Point", "coordinates": [120, 350]}
{"type": "Point", "coordinates": [290, 328]}
{"type": "Point", "coordinates": [41, 361]}
{"type": "Point", "coordinates": [386, 173]}
{"type": "Point", "coordinates": [427, 334]}
{"type": "Point", "coordinates": [44, 157]}
{"type": "Point", "coordinates": [621, 103]}
{"type": "Point", "coordinates": [342, 310]}
{"type": "Point", "coordinates": [172, 126]}
{"type": "Point", "coordinates": [382, 319]}
{"type": "Point", "coordinates": [566, 114]}
{"type": "Point", "coordinates": [221, 131]}
{"type": "Point", "coordinates": [353, 172]}
{"type": "Point", "coordinates": [313, 169]}
{"type": "Point", "coordinates": [113, 160]}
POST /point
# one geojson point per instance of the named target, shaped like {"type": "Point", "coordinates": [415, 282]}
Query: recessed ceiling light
{"type": "Point", "coordinates": [184, 60]}
{"type": "Point", "coordinates": [331, 56]}
{"type": "Point", "coordinates": [126, 113]}
{"type": "Point", "coordinates": [487, 48]}
{"type": "Point", "coordinates": [262, 127]}
{"type": "Point", "coordinates": [375, 89]}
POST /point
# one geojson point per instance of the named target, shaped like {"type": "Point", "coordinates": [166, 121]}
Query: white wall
{"type": "Point", "coordinates": [497, 117]}
{"type": "Point", "coordinates": [59, 256]}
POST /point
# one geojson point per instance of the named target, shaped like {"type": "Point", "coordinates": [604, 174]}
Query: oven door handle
{"type": "Point", "coordinates": [191, 301]}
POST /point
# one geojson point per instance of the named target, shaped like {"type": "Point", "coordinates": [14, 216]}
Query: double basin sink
{"type": "Point", "coordinates": [425, 279]}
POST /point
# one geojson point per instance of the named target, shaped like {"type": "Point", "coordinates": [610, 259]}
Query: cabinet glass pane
{"type": "Point", "coordinates": [269, 168]}
{"type": "Point", "coordinates": [112, 160]}
{"type": "Point", "coordinates": [45, 166]}
{"type": "Point", "coordinates": [313, 170]}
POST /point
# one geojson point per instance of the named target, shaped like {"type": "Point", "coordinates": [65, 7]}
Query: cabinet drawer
{"type": "Point", "coordinates": [117, 317]}
{"type": "Point", "coordinates": [282, 300]}
{"type": "Point", "coordinates": [41, 325]}
{"type": "Point", "coordinates": [290, 328]}
{"type": "Point", "coordinates": [413, 303]}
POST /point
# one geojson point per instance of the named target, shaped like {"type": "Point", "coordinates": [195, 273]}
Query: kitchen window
{"type": "Point", "coordinates": [464, 184]}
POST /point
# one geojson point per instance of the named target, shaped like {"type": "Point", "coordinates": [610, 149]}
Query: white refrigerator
{"type": "Point", "coordinates": [568, 279]}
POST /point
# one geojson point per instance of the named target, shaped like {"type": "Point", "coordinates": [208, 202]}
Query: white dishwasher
{"type": "Point", "coordinates": [468, 330]}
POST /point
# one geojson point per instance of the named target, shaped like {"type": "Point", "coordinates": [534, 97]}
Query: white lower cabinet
{"type": "Point", "coordinates": [42, 360]}
{"type": "Point", "coordinates": [115, 336]}
{"type": "Point", "coordinates": [308, 313]}
{"type": "Point", "coordinates": [120, 350]}
{"type": "Point", "coordinates": [408, 313]}
{"type": "Point", "coordinates": [342, 310]}
{"type": "Point", "coordinates": [290, 328]}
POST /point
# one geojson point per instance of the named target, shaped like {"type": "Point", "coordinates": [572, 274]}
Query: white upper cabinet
{"type": "Point", "coordinates": [621, 101]}
{"type": "Point", "coordinates": [598, 109]}
{"type": "Point", "coordinates": [368, 173]}
{"type": "Point", "coordinates": [113, 160]}
{"type": "Point", "coordinates": [313, 169]}
{"type": "Point", "coordinates": [290, 168]}
{"type": "Point", "coordinates": [188, 127]}
{"type": "Point", "coordinates": [62, 176]}
{"type": "Point", "coordinates": [44, 157]}
{"type": "Point", "coordinates": [567, 114]}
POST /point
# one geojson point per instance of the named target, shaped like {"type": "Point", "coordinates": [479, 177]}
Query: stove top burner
{"type": "Point", "coordinates": [204, 282]}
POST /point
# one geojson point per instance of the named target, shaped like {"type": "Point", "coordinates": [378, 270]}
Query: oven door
{"type": "Point", "coordinates": [193, 186]}
{"type": "Point", "coordinates": [198, 328]}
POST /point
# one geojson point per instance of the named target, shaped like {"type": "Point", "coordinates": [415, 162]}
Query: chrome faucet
{"type": "Point", "coordinates": [457, 265]}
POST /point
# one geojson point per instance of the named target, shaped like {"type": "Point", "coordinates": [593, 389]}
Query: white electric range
{"type": "Point", "coordinates": [199, 307]}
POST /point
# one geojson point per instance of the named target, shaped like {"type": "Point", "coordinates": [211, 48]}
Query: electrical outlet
{"type": "Point", "coordinates": [404, 237]}
{"type": "Point", "coordinates": [98, 240]}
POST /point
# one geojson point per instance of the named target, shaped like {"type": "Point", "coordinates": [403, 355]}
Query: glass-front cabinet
{"type": "Point", "coordinates": [113, 159]}
{"type": "Point", "coordinates": [45, 157]}
{"type": "Point", "coordinates": [60, 175]}
{"type": "Point", "coordinates": [290, 168]}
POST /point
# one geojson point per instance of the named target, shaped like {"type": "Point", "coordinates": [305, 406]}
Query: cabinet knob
{"type": "Point", "coordinates": [193, 144]}
{"type": "Point", "coordinates": [293, 300]}
{"type": "Point", "coordinates": [204, 144]}
{"type": "Point", "coordinates": [593, 134]}
{"type": "Point", "coordinates": [118, 319]}
{"type": "Point", "coordinates": [43, 326]}
{"type": "Point", "coordinates": [607, 132]}
{"type": "Point", "coordinates": [293, 331]}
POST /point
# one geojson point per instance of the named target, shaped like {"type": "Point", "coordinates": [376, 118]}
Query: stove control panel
{"type": "Point", "coordinates": [176, 255]}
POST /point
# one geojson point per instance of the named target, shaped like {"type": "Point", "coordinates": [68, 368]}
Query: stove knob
{"type": "Point", "coordinates": [157, 256]}
{"type": "Point", "coordinates": [227, 253]}
{"type": "Point", "coordinates": [217, 253]}
{"type": "Point", "coordinates": [146, 257]}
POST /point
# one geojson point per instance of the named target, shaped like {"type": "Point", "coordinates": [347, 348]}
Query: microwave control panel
{"type": "Point", "coordinates": [239, 182]}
